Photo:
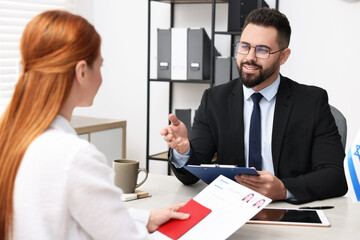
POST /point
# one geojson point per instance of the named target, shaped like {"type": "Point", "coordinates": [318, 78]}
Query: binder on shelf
{"type": "Point", "coordinates": [234, 70]}
{"type": "Point", "coordinates": [184, 115]}
{"type": "Point", "coordinates": [164, 51]}
{"type": "Point", "coordinates": [223, 65]}
{"type": "Point", "coordinates": [238, 11]}
{"type": "Point", "coordinates": [199, 48]}
{"type": "Point", "coordinates": [179, 40]}
{"type": "Point", "coordinates": [222, 70]}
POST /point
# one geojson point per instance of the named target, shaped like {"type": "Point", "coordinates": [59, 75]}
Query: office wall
{"type": "Point", "coordinates": [324, 48]}
{"type": "Point", "coordinates": [123, 27]}
{"type": "Point", "coordinates": [324, 52]}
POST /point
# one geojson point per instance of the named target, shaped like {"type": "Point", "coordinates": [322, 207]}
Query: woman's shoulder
{"type": "Point", "coordinates": [61, 146]}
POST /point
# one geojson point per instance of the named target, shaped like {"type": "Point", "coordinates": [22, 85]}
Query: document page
{"type": "Point", "coordinates": [231, 204]}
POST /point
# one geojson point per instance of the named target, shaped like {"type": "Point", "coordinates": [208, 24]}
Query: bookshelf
{"type": "Point", "coordinates": [162, 156]}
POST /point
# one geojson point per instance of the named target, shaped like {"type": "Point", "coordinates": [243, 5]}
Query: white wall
{"type": "Point", "coordinates": [325, 51]}
{"type": "Point", "coordinates": [324, 48]}
{"type": "Point", "coordinates": [123, 27]}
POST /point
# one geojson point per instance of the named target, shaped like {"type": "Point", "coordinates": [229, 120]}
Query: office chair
{"type": "Point", "coordinates": [340, 121]}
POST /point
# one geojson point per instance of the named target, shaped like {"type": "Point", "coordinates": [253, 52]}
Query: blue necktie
{"type": "Point", "coordinates": [255, 134]}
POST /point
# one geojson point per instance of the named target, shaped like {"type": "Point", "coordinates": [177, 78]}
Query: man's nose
{"type": "Point", "coordinates": [252, 54]}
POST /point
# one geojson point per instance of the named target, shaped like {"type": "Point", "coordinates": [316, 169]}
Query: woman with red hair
{"type": "Point", "coordinates": [54, 185]}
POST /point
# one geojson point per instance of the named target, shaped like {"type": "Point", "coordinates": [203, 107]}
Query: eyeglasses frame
{"type": "Point", "coordinates": [238, 42]}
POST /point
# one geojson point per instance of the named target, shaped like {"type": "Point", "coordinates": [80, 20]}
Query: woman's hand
{"type": "Point", "coordinates": [160, 216]}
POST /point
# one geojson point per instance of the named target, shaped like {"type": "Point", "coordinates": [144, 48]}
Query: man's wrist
{"type": "Point", "coordinates": [183, 150]}
{"type": "Point", "coordinates": [284, 192]}
{"type": "Point", "coordinates": [177, 159]}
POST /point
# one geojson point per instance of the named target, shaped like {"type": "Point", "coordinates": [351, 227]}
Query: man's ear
{"type": "Point", "coordinates": [80, 71]}
{"type": "Point", "coordinates": [284, 55]}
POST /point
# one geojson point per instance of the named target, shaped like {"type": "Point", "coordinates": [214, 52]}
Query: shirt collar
{"type": "Point", "coordinates": [61, 123]}
{"type": "Point", "coordinates": [269, 92]}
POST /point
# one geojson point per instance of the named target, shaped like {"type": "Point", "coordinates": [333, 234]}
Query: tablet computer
{"type": "Point", "coordinates": [283, 216]}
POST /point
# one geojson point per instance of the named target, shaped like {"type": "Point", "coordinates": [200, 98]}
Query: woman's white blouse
{"type": "Point", "coordinates": [64, 190]}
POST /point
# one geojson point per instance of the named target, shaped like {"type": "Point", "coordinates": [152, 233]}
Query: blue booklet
{"type": "Point", "coordinates": [209, 172]}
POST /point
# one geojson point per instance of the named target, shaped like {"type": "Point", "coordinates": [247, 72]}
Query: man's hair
{"type": "Point", "coordinates": [272, 18]}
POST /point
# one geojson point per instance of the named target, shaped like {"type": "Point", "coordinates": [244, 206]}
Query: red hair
{"type": "Point", "coordinates": [52, 44]}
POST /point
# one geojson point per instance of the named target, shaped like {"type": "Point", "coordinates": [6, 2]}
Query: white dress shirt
{"type": "Point", "coordinates": [64, 190]}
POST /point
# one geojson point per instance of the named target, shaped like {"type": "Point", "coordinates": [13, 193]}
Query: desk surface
{"type": "Point", "coordinates": [89, 124]}
{"type": "Point", "coordinates": [344, 218]}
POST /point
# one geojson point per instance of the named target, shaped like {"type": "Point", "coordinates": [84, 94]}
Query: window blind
{"type": "Point", "coordinates": [14, 15]}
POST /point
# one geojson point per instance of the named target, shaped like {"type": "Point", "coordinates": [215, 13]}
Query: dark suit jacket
{"type": "Point", "coordinates": [306, 147]}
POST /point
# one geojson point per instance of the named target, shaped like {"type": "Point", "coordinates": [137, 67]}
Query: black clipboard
{"type": "Point", "coordinates": [209, 173]}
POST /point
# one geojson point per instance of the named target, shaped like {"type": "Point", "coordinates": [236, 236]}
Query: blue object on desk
{"type": "Point", "coordinates": [209, 174]}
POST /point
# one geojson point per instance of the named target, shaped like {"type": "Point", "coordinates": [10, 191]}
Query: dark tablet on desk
{"type": "Point", "coordinates": [282, 216]}
{"type": "Point", "coordinates": [209, 172]}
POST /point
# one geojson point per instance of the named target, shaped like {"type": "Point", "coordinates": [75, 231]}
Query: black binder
{"type": "Point", "coordinates": [164, 54]}
{"type": "Point", "coordinates": [238, 11]}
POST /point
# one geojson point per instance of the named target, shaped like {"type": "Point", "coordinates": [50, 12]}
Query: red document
{"type": "Point", "coordinates": [174, 229]}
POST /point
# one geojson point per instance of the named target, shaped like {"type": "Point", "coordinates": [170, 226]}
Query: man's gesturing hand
{"type": "Point", "coordinates": [176, 135]}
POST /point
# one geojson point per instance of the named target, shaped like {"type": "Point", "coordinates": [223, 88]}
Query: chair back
{"type": "Point", "coordinates": [340, 121]}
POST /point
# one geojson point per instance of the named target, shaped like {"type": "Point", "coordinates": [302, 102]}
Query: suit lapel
{"type": "Point", "coordinates": [282, 112]}
{"type": "Point", "coordinates": [236, 112]}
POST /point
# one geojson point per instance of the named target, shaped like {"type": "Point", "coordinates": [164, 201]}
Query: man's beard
{"type": "Point", "coordinates": [250, 80]}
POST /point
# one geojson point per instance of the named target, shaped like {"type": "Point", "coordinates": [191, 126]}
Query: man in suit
{"type": "Point", "coordinates": [288, 134]}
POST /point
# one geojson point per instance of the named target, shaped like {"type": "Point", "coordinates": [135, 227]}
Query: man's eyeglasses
{"type": "Point", "coordinates": [260, 51]}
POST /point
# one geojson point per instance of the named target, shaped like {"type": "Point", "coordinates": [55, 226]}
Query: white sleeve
{"type": "Point", "coordinates": [140, 216]}
{"type": "Point", "coordinates": [94, 201]}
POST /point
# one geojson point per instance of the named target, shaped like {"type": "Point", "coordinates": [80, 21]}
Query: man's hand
{"type": "Point", "coordinates": [160, 216]}
{"type": "Point", "coordinates": [266, 184]}
{"type": "Point", "coordinates": [176, 135]}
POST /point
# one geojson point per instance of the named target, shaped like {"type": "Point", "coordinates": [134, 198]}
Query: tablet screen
{"type": "Point", "coordinates": [287, 215]}
{"type": "Point", "coordinates": [290, 216]}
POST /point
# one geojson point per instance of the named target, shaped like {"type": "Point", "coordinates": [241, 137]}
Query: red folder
{"type": "Point", "coordinates": [174, 229]}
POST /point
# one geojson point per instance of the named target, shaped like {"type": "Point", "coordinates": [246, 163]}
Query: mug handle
{"type": "Point", "coordinates": [146, 176]}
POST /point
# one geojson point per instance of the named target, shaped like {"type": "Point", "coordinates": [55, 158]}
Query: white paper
{"type": "Point", "coordinates": [231, 204]}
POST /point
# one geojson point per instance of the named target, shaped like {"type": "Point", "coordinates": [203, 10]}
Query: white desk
{"type": "Point", "coordinates": [344, 218]}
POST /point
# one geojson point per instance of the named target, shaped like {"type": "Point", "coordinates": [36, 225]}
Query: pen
{"type": "Point", "coordinates": [318, 208]}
